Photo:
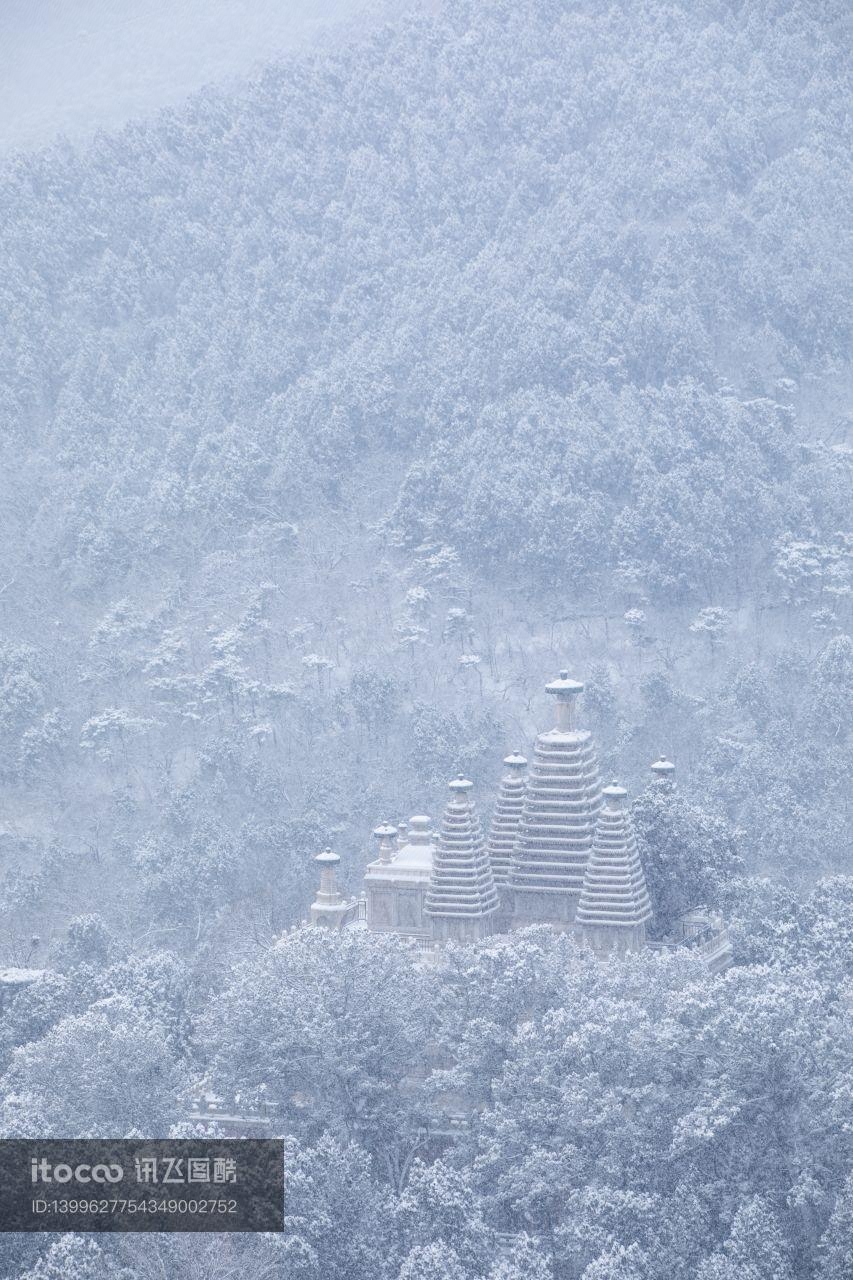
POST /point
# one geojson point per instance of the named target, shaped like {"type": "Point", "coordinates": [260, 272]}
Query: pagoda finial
{"type": "Point", "coordinates": [614, 795]}
{"type": "Point", "coordinates": [420, 829]}
{"type": "Point", "coordinates": [663, 770]}
{"type": "Point", "coordinates": [565, 691]}
{"type": "Point", "coordinates": [516, 763]}
{"type": "Point", "coordinates": [386, 834]}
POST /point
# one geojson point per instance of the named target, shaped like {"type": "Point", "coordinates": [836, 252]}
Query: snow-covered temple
{"type": "Point", "coordinates": [560, 851]}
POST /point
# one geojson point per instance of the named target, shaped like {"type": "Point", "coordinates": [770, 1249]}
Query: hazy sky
{"type": "Point", "coordinates": [76, 65]}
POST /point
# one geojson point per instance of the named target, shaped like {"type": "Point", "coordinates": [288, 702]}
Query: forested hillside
{"type": "Point", "coordinates": [337, 413]}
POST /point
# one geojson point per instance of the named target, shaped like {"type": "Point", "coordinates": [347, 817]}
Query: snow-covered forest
{"type": "Point", "coordinates": [339, 410]}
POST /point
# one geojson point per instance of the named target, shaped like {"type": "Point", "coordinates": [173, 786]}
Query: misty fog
{"type": "Point", "coordinates": [74, 66]}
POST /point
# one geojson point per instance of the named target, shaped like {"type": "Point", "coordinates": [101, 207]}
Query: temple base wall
{"type": "Point", "coordinates": [398, 910]}
{"type": "Point", "coordinates": [616, 940]}
{"type": "Point", "coordinates": [336, 916]}
{"type": "Point", "coordinates": [539, 906]}
{"type": "Point", "coordinates": [463, 930]}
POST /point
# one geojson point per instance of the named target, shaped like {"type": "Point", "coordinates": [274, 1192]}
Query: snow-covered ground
{"type": "Point", "coordinates": [73, 66]}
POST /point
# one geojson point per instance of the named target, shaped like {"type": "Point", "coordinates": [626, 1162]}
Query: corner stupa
{"type": "Point", "coordinates": [614, 906]}
{"type": "Point", "coordinates": [462, 901]}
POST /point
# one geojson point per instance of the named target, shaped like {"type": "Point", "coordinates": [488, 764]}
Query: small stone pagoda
{"type": "Point", "coordinates": [561, 851]}
{"type": "Point", "coordinates": [330, 908]}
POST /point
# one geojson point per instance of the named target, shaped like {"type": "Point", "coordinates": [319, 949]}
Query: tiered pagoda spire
{"type": "Point", "coordinates": [561, 802]}
{"type": "Point", "coordinates": [614, 904]}
{"type": "Point", "coordinates": [461, 899]}
{"type": "Point", "coordinates": [503, 831]}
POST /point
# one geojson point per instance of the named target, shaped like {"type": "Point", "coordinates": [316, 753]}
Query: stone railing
{"type": "Point", "coordinates": [710, 940]}
{"type": "Point", "coordinates": [228, 1115]}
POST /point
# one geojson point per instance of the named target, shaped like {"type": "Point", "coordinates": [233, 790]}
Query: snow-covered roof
{"type": "Point", "coordinates": [415, 855]}
{"type": "Point", "coordinates": [564, 686]}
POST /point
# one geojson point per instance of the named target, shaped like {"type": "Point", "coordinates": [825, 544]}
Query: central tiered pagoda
{"type": "Point", "coordinates": [561, 803]}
